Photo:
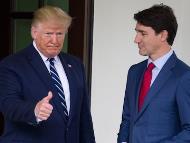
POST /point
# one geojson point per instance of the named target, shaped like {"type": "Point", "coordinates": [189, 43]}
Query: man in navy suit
{"type": "Point", "coordinates": [164, 116]}
{"type": "Point", "coordinates": [29, 99]}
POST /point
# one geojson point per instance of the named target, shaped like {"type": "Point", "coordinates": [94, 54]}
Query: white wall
{"type": "Point", "coordinates": [113, 53]}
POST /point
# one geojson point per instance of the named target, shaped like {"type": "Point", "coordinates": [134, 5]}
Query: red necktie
{"type": "Point", "coordinates": [145, 84]}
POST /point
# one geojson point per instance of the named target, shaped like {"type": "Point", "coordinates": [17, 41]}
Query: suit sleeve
{"type": "Point", "coordinates": [123, 135]}
{"type": "Point", "coordinates": [12, 104]}
{"type": "Point", "coordinates": [183, 103]}
{"type": "Point", "coordinates": [86, 125]}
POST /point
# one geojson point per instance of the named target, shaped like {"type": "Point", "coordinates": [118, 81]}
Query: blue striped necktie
{"type": "Point", "coordinates": [58, 85]}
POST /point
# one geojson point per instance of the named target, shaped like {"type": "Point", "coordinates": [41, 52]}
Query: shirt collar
{"type": "Point", "coordinates": [159, 63]}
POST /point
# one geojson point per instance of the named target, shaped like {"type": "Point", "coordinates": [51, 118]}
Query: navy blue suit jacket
{"type": "Point", "coordinates": [25, 80]}
{"type": "Point", "coordinates": [165, 115]}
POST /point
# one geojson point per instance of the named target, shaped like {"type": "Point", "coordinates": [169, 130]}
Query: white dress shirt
{"type": "Point", "coordinates": [159, 63]}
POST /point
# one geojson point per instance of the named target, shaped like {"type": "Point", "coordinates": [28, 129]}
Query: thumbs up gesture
{"type": "Point", "coordinates": [43, 108]}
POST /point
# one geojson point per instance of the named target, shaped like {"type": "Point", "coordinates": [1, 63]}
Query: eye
{"type": "Point", "coordinates": [59, 34]}
{"type": "Point", "coordinates": [48, 34]}
{"type": "Point", "coordinates": [143, 33]}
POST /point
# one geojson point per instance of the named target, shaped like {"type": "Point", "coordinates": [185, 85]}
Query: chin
{"type": "Point", "coordinates": [52, 55]}
{"type": "Point", "coordinates": [142, 54]}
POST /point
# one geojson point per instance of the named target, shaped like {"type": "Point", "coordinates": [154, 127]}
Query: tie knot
{"type": "Point", "coordinates": [51, 60]}
{"type": "Point", "coordinates": [150, 67]}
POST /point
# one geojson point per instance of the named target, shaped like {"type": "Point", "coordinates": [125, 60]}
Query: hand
{"type": "Point", "coordinates": [43, 108]}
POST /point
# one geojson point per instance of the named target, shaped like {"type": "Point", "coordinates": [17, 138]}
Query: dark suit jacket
{"type": "Point", "coordinates": [165, 115]}
{"type": "Point", "coordinates": [24, 80]}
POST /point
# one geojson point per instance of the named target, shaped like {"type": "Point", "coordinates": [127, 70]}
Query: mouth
{"type": "Point", "coordinates": [53, 47]}
{"type": "Point", "coordinates": [140, 46]}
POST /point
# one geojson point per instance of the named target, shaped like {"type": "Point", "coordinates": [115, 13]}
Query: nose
{"type": "Point", "coordinates": [137, 38]}
{"type": "Point", "coordinates": [54, 38]}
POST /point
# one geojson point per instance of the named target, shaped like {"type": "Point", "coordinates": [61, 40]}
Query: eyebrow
{"type": "Point", "coordinates": [141, 31]}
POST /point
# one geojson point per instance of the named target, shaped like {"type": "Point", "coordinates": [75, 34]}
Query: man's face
{"type": "Point", "coordinates": [149, 43]}
{"type": "Point", "coordinates": [49, 37]}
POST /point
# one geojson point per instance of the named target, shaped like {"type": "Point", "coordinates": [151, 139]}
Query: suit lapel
{"type": "Point", "coordinates": [159, 82]}
{"type": "Point", "coordinates": [38, 66]}
{"type": "Point", "coordinates": [139, 77]}
{"type": "Point", "coordinates": [68, 67]}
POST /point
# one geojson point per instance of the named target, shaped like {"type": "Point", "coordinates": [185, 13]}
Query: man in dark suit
{"type": "Point", "coordinates": [34, 109]}
{"type": "Point", "coordinates": [157, 101]}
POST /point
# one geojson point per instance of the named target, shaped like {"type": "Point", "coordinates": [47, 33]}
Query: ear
{"type": "Point", "coordinates": [164, 35]}
{"type": "Point", "coordinates": [33, 32]}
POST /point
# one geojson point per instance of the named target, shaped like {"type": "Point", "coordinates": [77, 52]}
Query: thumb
{"type": "Point", "coordinates": [48, 97]}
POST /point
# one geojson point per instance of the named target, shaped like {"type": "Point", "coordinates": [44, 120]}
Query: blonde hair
{"type": "Point", "coordinates": [48, 13]}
